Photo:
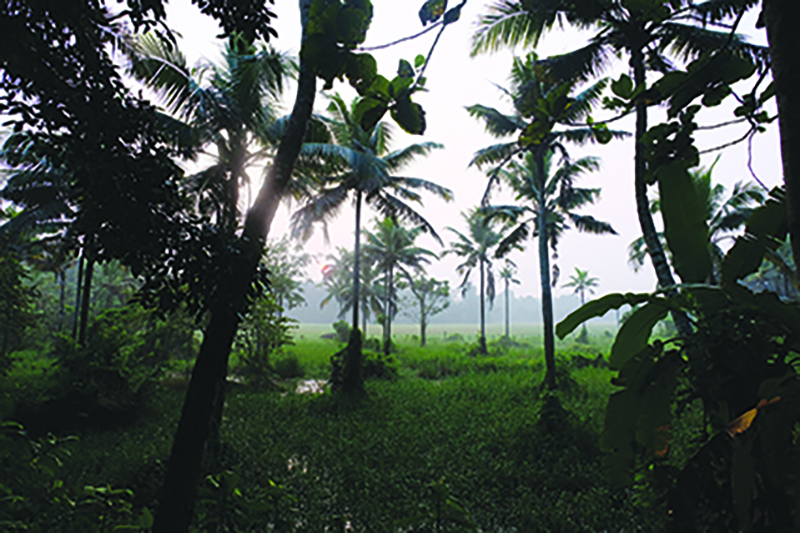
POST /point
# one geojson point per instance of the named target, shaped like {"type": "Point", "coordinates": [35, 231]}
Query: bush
{"type": "Point", "coordinates": [263, 333]}
{"type": "Point", "coordinates": [287, 366]}
{"type": "Point", "coordinates": [342, 329]}
{"type": "Point", "coordinates": [378, 366]}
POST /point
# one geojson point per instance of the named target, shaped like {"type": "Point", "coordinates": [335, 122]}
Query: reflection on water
{"type": "Point", "coordinates": [310, 386]}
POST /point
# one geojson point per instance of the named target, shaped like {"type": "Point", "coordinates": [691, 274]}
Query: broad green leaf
{"type": "Point", "coordinates": [409, 116]}
{"type": "Point", "coordinates": [361, 71]}
{"type": "Point", "coordinates": [623, 87]}
{"type": "Point", "coordinates": [405, 70]}
{"type": "Point", "coordinates": [597, 308]}
{"type": "Point", "coordinates": [685, 226]}
{"type": "Point", "coordinates": [431, 11]}
{"type": "Point", "coordinates": [419, 61]}
{"type": "Point", "coordinates": [765, 230]}
{"type": "Point", "coordinates": [369, 111]}
{"type": "Point", "coordinates": [632, 337]}
{"type": "Point", "coordinates": [146, 519]}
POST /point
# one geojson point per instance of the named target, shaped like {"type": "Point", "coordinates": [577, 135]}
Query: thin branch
{"type": "Point", "coordinates": [749, 133]}
{"type": "Point", "coordinates": [404, 39]}
{"type": "Point", "coordinates": [723, 124]}
{"type": "Point", "coordinates": [427, 59]}
{"type": "Point", "coordinates": [599, 122]}
{"type": "Point", "coordinates": [750, 161]}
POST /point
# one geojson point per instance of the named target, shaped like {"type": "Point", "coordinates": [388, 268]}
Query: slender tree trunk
{"type": "Point", "coordinates": [78, 284]}
{"type": "Point", "coordinates": [784, 42]}
{"type": "Point", "coordinates": [508, 336]}
{"type": "Point", "coordinates": [657, 255]}
{"type": "Point", "coordinates": [423, 321]}
{"type": "Point", "coordinates": [356, 262]}
{"type": "Point", "coordinates": [352, 380]}
{"type": "Point", "coordinates": [482, 339]}
{"type": "Point", "coordinates": [62, 299]}
{"type": "Point", "coordinates": [387, 344]}
{"type": "Point", "coordinates": [202, 408]}
{"type": "Point", "coordinates": [544, 277]}
{"type": "Point", "coordinates": [86, 298]}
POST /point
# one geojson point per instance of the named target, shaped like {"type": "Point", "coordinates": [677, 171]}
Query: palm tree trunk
{"type": "Point", "coordinates": [784, 41]}
{"type": "Point", "coordinates": [62, 298]}
{"type": "Point", "coordinates": [649, 233]}
{"type": "Point", "coordinates": [423, 322]}
{"type": "Point", "coordinates": [482, 339]}
{"type": "Point", "coordinates": [544, 278]}
{"type": "Point", "coordinates": [387, 344]}
{"type": "Point", "coordinates": [202, 408]}
{"type": "Point", "coordinates": [507, 314]}
{"type": "Point", "coordinates": [356, 262]}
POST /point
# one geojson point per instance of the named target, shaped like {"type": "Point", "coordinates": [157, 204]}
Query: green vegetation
{"type": "Point", "coordinates": [182, 398]}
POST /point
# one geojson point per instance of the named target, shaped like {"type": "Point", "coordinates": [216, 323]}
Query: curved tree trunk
{"type": "Point", "coordinates": [544, 278]}
{"type": "Point", "coordinates": [657, 255]}
{"type": "Point", "coordinates": [784, 42]}
{"type": "Point", "coordinates": [482, 339]}
{"type": "Point", "coordinates": [202, 408]}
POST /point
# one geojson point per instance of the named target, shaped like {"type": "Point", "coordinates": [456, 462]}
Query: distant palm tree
{"type": "Point", "coordinates": [551, 201]}
{"type": "Point", "coordinates": [366, 169]}
{"type": "Point", "coordinates": [507, 275]}
{"type": "Point", "coordinates": [724, 216]}
{"type": "Point", "coordinates": [582, 283]}
{"type": "Point", "coordinates": [477, 248]}
{"type": "Point", "coordinates": [544, 116]}
{"type": "Point", "coordinates": [392, 249]}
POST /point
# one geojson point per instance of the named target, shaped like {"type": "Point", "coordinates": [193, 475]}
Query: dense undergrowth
{"type": "Point", "coordinates": [444, 442]}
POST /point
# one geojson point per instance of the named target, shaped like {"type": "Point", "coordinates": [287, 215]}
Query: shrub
{"type": "Point", "coordinates": [287, 366]}
{"type": "Point", "coordinates": [378, 366]}
{"type": "Point", "coordinates": [262, 334]}
{"type": "Point", "coordinates": [342, 329]}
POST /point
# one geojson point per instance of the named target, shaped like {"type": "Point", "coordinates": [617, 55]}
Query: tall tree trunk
{"type": "Point", "coordinates": [357, 263]}
{"type": "Point", "coordinates": [657, 255]}
{"type": "Point", "coordinates": [78, 284]}
{"type": "Point", "coordinates": [784, 42]}
{"type": "Point", "coordinates": [507, 313]}
{"type": "Point", "coordinates": [544, 277]}
{"type": "Point", "coordinates": [482, 339]}
{"type": "Point", "coordinates": [202, 408]}
{"type": "Point", "coordinates": [352, 380]}
{"type": "Point", "coordinates": [387, 344]}
{"type": "Point", "coordinates": [62, 298]}
{"type": "Point", "coordinates": [86, 298]}
{"type": "Point", "coordinates": [423, 322]}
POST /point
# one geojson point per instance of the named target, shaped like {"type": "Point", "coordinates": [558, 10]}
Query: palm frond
{"type": "Point", "coordinates": [589, 224]}
{"type": "Point", "coordinates": [514, 240]}
{"type": "Point", "coordinates": [399, 159]}
{"type": "Point", "coordinates": [508, 24]}
{"type": "Point", "coordinates": [496, 123]}
{"type": "Point", "coordinates": [579, 65]}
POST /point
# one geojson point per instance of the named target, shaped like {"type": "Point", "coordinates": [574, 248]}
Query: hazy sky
{"type": "Point", "coordinates": [456, 80]}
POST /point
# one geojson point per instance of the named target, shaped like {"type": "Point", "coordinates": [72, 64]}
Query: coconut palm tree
{"type": "Point", "coordinates": [477, 248]}
{"type": "Point", "coordinates": [582, 283]}
{"type": "Point", "coordinates": [543, 118]}
{"type": "Point", "coordinates": [392, 249]}
{"type": "Point", "coordinates": [551, 201]}
{"type": "Point", "coordinates": [367, 171]}
{"type": "Point", "coordinates": [723, 215]}
{"type": "Point", "coordinates": [507, 275]}
{"type": "Point", "coordinates": [227, 111]}
{"type": "Point", "coordinates": [645, 32]}
{"type": "Point", "coordinates": [338, 282]}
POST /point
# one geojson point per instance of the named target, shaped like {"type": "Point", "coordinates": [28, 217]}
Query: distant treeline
{"type": "Point", "coordinates": [524, 310]}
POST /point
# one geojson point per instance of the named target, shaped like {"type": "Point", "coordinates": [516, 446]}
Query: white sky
{"type": "Point", "coordinates": [454, 81]}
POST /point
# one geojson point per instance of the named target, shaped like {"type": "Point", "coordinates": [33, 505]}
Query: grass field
{"type": "Point", "coordinates": [452, 439]}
